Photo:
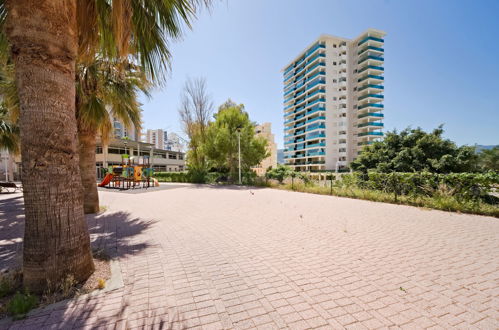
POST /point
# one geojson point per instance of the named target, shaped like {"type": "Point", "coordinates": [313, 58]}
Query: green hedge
{"type": "Point", "coordinates": [172, 176]}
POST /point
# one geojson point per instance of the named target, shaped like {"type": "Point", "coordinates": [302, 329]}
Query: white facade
{"type": "Point", "coordinates": [157, 137]}
{"type": "Point", "coordinates": [333, 93]}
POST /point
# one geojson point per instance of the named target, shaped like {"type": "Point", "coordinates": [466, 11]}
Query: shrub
{"type": "Point", "coordinates": [21, 304]}
{"type": "Point", "coordinates": [172, 176]}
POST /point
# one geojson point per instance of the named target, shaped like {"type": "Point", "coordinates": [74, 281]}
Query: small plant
{"type": "Point", "coordinates": [9, 283]}
{"type": "Point", "coordinates": [101, 284]}
{"type": "Point", "coordinates": [21, 304]}
{"type": "Point", "coordinates": [68, 286]}
{"type": "Point", "coordinates": [402, 289]}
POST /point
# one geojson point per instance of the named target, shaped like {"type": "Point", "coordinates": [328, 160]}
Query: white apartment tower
{"type": "Point", "coordinates": [158, 137]}
{"type": "Point", "coordinates": [333, 94]}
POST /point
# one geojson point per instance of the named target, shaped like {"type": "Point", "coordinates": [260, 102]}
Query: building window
{"type": "Point", "coordinates": [334, 63]}
{"type": "Point", "coordinates": [98, 150]}
{"type": "Point", "coordinates": [172, 156]}
{"type": "Point", "coordinates": [334, 80]}
{"type": "Point", "coordinates": [334, 45]}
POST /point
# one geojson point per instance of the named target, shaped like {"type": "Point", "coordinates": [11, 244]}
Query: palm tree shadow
{"type": "Point", "coordinates": [117, 233]}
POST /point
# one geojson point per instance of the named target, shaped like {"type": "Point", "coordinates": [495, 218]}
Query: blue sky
{"type": "Point", "coordinates": [441, 60]}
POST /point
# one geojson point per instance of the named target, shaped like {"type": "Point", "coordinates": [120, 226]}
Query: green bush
{"type": "Point", "coordinates": [462, 186]}
{"type": "Point", "coordinates": [172, 176]}
{"type": "Point", "coordinates": [21, 304]}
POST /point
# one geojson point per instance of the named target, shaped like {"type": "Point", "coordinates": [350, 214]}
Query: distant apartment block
{"type": "Point", "coordinates": [157, 137]}
{"type": "Point", "coordinates": [333, 101]}
{"type": "Point", "coordinates": [265, 130]}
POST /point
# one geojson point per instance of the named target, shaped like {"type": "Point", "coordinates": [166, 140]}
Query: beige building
{"type": "Point", "coordinates": [265, 130]}
{"type": "Point", "coordinates": [161, 160]}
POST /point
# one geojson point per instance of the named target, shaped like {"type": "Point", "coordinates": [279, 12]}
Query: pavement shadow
{"type": "Point", "coordinates": [11, 232]}
{"type": "Point", "coordinates": [116, 233]}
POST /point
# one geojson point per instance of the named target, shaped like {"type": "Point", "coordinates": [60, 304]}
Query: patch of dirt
{"type": "Point", "coordinates": [11, 282]}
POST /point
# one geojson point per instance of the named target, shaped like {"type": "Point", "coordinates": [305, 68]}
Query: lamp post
{"type": "Point", "coordinates": [239, 150]}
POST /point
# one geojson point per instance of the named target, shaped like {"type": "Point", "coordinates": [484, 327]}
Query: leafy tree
{"type": "Point", "coordinates": [488, 159]}
{"type": "Point", "coordinates": [47, 37]}
{"type": "Point", "coordinates": [222, 140]}
{"type": "Point", "coordinates": [414, 150]}
{"type": "Point", "coordinates": [279, 173]}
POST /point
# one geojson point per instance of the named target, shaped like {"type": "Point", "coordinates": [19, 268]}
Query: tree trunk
{"type": "Point", "coordinates": [86, 137]}
{"type": "Point", "coordinates": [43, 36]}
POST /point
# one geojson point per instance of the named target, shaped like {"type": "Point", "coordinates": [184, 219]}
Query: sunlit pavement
{"type": "Point", "coordinates": [221, 257]}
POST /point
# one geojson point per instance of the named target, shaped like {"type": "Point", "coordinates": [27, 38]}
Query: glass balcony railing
{"type": "Point", "coordinates": [372, 77]}
{"type": "Point", "coordinates": [370, 86]}
{"type": "Point", "coordinates": [371, 134]}
{"type": "Point", "coordinates": [320, 144]}
{"type": "Point", "coordinates": [372, 67]}
{"type": "Point", "coordinates": [317, 153]}
{"type": "Point", "coordinates": [314, 127]}
{"type": "Point", "coordinates": [371, 114]}
{"type": "Point", "coordinates": [371, 105]}
{"type": "Point", "coordinates": [376, 96]}
{"type": "Point", "coordinates": [374, 124]}
{"type": "Point", "coordinates": [315, 119]}
{"type": "Point", "coordinates": [315, 109]}
{"type": "Point", "coordinates": [315, 135]}
{"type": "Point", "coordinates": [370, 38]}
{"type": "Point", "coordinates": [365, 58]}
{"type": "Point", "coordinates": [370, 48]}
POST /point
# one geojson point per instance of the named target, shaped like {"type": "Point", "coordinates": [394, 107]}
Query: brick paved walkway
{"type": "Point", "coordinates": [214, 258]}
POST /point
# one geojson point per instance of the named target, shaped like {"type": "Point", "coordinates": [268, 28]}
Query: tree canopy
{"type": "Point", "coordinates": [222, 140]}
{"type": "Point", "coordinates": [488, 159]}
{"type": "Point", "coordinates": [414, 150]}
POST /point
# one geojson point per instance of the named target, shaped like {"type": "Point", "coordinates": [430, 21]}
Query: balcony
{"type": "Point", "coordinates": [315, 136]}
{"type": "Point", "coordinates": [371, 67]}
{"type": "Point", "coordinates": [370, 124]}
{"type": "Point", "coordinates": [317, 153]}
{"type": "Point", "coordinates": [370, 57]}
{"type": "Point", "coordinates": [314, 127]}
{"type": "Point", "coordinates": [320, 144]}
{"type": "Point", "coordinates": [371, 105]}
{"type": "Point", "coordinates": [370, 134]}
{"type": "Point", "coordinates": [370, 86]}
{"type": "Point", "coordinates": [376, 49]}
{"type": "Point", "coordinates": [370, 39]}
{"type": "Point", "coordinates": [371, 114]}
{"type": "Point", "coordinates": [376, 96]}
{"type": "Point", "coordinates": [371, 76]}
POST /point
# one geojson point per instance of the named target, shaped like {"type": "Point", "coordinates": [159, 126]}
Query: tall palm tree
{"type": "Point", "coordinates": [102, 85]}
{"type": "Point", "coordinates": [46, 37]}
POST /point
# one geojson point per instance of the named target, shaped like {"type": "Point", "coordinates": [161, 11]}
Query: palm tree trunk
{"type": "Point", "coordinates": [43, 36]}
{"type": "Point", "coordinates": [86, 137]}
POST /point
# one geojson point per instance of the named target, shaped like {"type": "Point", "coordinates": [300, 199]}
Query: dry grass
{"type": "Point", "coordinates": [441, 199]}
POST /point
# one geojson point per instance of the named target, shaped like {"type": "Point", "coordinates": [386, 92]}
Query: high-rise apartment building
{"type": "Point", "coordinates": [265, 130]}
{"type": "Point", "coordinates": [158, 137]}
{"type": "Point", "coordinates": [333, 94]}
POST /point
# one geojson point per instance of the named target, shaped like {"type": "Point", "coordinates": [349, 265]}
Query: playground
{"type": "Point", "coordinates": [133, 173]}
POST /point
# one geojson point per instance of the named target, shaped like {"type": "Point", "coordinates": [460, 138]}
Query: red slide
{"type": "Point", "coordinates": [106, 180]}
